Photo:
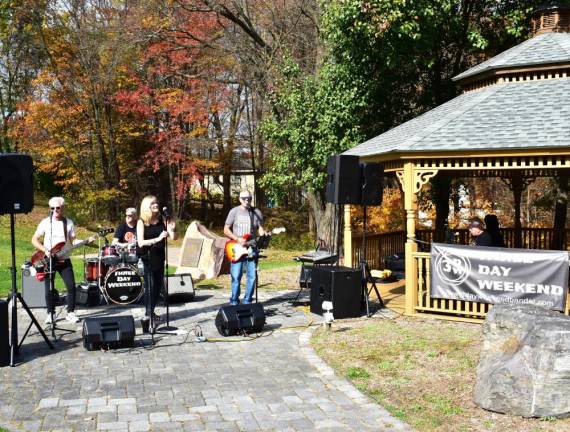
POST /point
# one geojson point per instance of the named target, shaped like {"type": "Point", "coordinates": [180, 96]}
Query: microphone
{"type": "Point", "coordinates": [165, 212]}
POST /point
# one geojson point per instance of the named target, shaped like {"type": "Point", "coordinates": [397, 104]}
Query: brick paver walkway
{"type": "Point", "coordinates": [272, 383]}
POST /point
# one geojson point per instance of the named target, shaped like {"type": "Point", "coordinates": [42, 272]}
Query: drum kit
{"type": "Point", "coordinates": [116, 273]}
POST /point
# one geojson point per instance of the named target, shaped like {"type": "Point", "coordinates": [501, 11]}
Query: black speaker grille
{"type": "Point", "coordinates": [16, 183]}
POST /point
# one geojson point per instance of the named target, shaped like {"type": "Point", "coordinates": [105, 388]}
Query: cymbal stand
{"type": "Point", "coordinates": [15, 297]}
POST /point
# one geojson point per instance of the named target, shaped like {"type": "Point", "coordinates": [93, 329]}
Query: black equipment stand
{"type": "Point", "coordinates": [365, 271]}
{"type": "Point", "coordinates": [15, 297]}
{"type": "Point", "coordinates": [167, 329]}
{"type": "Point", "coordinates": [51, 306]}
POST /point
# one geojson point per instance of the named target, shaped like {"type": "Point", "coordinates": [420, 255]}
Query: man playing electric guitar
{"type": "Point", "coordinates": [243, 219]}
{"type": "Point", "coordinates": [57, 229]}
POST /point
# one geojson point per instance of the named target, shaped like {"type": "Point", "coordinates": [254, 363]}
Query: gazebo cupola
{"type": "Point", "coordinates": [545, 56]}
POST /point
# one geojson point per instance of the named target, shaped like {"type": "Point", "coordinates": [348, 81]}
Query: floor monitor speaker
{"type": "Point", "coordinates": [340, 285]}
{"type": "Point", "coordinates": [343, 180]}
{"type": "Point", "coordinates": [372, 183]}
{"type": "Point", "coordinates": [4, 340]}
{"type": "Point", "coordinates": [180, 288]}
{"type": "Point", "coordinates": [108, 332]}
{"type": "Point", "coordinates": [244, 318]}
{"type": "Point", "coordinates": [16, 183]}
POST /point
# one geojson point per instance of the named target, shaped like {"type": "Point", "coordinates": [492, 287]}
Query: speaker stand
{"type": "Point", "coordinates": [365, 271]}
{"type": "Point", "coordinates": [15, 297]}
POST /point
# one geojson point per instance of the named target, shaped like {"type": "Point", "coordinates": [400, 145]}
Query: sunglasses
{"type": "Point", "coordinates": [55, 208]}
{"type": "Point", "coordinates": [245, 198]}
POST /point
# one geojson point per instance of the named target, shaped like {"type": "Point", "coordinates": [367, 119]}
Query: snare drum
{"type": "Point", "coordinates": [95, 269]}
{"type": "Point", "coordinates": [110, 255]}
{"type": "Point", "coordinates": [123, 285]}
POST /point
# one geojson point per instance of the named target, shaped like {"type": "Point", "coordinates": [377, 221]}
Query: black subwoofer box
{"type": "Point", "coordinates": [4, 342]}
{"type": "Point", "coordinates": [108, 332]}
{"type": "Point", "coordinates": [244, 318]}
{"type": "Point", "coordinates": [87, 294]}
{"type": "Point", "coordinates": [340, 285]}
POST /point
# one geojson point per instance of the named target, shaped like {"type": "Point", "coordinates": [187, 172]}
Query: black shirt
{"type": "Point", "coordinates": [154, 254]}
{"type": "Point", "coordinates": [122, 230]}
{"type": "Point", "coordinates": [483, 239]}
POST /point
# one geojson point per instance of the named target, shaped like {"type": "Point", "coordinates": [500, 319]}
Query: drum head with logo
{"type": "Point", "coordinates": [123, 285]}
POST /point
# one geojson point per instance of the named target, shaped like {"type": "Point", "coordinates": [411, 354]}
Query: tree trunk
{"type": "Point", "coordinates": [441, 189]}
{"type": "Point", "coordinates": [560, 212]}
{"type": "Point", "coordinates": [517, 188]}
{"type": "Point", "coordinates": [326, 219]}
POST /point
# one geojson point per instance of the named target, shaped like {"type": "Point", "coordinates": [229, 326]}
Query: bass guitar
{"type": "Point", "coordinates": [236, 251]}
{"type": "Point", "coordinates": [60, 251]}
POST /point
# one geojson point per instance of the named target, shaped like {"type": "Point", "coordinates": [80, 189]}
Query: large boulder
{"type": "Point", "coordinates": [525, 362]}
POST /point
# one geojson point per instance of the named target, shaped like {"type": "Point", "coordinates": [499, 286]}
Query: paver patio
{"type": "Point", "coordinates": [273, 382]}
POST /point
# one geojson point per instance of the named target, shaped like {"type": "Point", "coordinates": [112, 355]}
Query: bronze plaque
{"type": "Point", "coordinates": [191, 252]}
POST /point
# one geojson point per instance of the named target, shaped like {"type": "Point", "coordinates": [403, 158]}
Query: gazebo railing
{"type": "Point", "coordinates": [379, 246]}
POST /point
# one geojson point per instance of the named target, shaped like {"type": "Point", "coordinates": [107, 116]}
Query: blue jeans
{"type": "Point", "coordinates": [236, 271]}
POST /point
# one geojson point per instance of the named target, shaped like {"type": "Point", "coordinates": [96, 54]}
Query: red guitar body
{"type": "Point", "coordinates": [39, 259]}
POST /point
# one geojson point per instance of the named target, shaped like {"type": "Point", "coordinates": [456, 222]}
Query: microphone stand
{"type": "Point", "coordinates": [167, 329]}
{"type": "Point", "coordinates": [51, 276]}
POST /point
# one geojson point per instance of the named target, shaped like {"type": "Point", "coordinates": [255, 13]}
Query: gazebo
{"type": "Point", "coordinates": [512, 121]}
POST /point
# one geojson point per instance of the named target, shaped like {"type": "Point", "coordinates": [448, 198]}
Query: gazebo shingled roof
{"type": "Point", "coordinates": [502, 116]}
{"type": "Point", "coordinates": [544, 49]}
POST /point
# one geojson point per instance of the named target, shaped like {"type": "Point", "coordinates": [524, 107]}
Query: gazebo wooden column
{"type": "Point", "coordinates": [412, 178]}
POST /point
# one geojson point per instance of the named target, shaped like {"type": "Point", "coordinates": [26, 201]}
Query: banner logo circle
{"type": "Point", "coordinates": [451, 268]}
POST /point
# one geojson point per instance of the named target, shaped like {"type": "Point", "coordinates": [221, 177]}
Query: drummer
{"type": "Point", "coordinates": [126, 233]}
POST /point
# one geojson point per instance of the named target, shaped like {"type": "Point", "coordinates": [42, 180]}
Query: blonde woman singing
{"type": "Point", "coordinates": [152, 231]}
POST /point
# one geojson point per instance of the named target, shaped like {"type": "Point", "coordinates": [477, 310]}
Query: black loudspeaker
{"type": "Point", "coordinates": [16, 183]}
{"type": "Point", "coordinates": [340, 285]}
{"type": "Point", "coordinates": [181, 288]}
{"type": "Point", "coordinates": [108, 332]}
{"type": "Point", "coordinates": [372, 183]}
{"type": "Point", "coordinates": [87, 294]}
{"type": "Point", "coordinates": [4, 343]}
{"type": "Point", "coordinates": [244, 318]}
{"type": "Point", "coordinates": [343, 180]}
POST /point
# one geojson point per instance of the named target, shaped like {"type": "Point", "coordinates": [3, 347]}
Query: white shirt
{"type": "Point", "coordinates": [54, 234]}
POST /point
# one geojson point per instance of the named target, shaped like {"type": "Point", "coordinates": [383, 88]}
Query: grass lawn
{"type": "Point", "coordinates": [421, 370]}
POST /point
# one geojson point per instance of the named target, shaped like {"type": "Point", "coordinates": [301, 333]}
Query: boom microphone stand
{"type": "Point", "coordinates": [15, 297]}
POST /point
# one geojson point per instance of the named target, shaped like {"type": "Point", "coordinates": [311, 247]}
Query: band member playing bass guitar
{"type": "Point", "coordinates": [54, 230]}
{"type": "Point", "coordinates": [243, 221]}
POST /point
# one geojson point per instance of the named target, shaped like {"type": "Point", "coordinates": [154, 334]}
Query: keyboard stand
{"type": "Point", "coordinates": [304, 278]}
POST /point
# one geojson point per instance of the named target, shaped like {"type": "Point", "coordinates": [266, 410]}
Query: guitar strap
{"type": "Point", "coordinates": [65, 228]}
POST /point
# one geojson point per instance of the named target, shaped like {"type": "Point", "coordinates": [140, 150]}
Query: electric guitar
{"type": "Point", "coordinates": [236, 251]}
{"type": "Point", "coordinates": [60, 251]}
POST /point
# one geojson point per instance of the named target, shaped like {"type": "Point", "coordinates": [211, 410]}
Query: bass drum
{"type": "Point", "coordinates": [123, 285]}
